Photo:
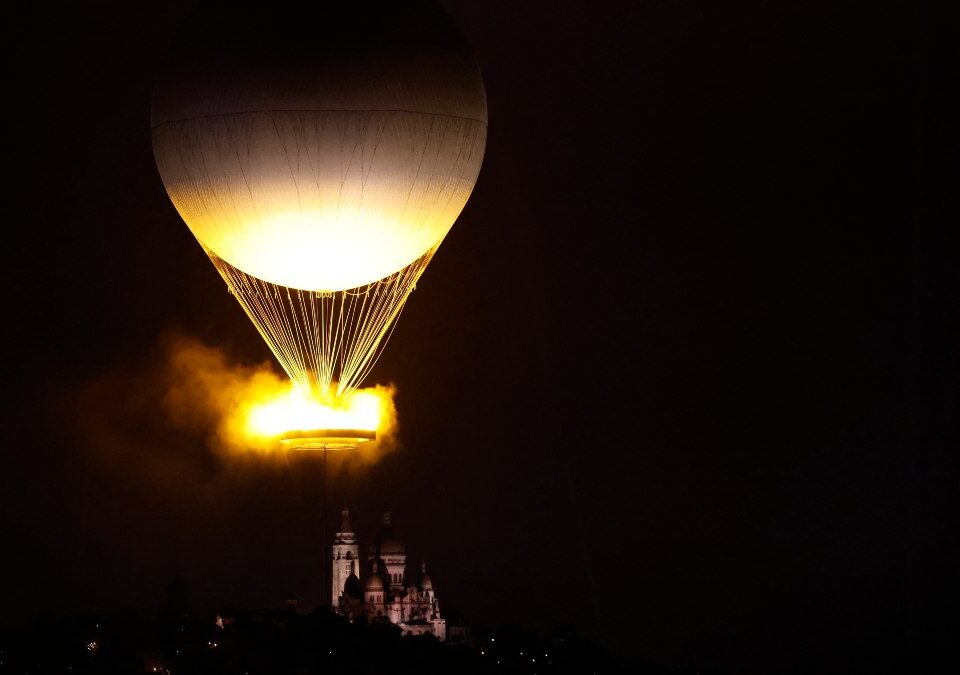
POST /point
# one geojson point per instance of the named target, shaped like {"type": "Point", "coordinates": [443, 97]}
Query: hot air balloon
{"type": "Point", "coordinates": [320, 154]}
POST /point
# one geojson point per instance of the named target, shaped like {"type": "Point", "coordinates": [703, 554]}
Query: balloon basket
{"type": "Point", "coordinates": [326, 439]}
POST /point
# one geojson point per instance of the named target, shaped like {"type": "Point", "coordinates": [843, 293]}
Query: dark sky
{"type": "Point", "coordinates": [683, 374]}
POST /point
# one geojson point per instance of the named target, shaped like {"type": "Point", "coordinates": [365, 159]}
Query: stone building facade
{"type": "Point", "coordinates": [386, 592]}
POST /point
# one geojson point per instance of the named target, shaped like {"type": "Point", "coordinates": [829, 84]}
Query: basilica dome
{"type": "Point", "coordinates": [374, 582]}
{"type": "Point", "coordinates": [390, 544]}
{"type": "Point", "coordinates": [352, 589]}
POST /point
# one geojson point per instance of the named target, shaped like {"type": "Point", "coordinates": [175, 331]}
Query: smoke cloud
{"type": "Point", "coordinates": [183, 412]}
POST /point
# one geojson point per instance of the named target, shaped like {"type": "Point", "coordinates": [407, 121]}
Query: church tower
{"type": "Point", "coordinates": [346, 553]}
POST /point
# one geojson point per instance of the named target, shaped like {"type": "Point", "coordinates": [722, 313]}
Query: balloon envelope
{"type": "Point", "coordinates": [320, 149]}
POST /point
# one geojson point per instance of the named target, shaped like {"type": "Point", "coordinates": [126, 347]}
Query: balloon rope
{"type": "Point", "coordinates": [327, 342]}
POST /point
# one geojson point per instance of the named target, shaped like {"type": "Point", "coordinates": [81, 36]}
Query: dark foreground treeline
{"type": "Point", "coordinates": [279, 643]}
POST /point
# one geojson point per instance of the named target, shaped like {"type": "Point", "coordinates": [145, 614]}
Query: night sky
{"type": "Point", "coordinates": [682, 375]}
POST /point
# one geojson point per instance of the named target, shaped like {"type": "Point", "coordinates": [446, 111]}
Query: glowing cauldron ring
{"type": "Point", "coordinates": [326, 439]}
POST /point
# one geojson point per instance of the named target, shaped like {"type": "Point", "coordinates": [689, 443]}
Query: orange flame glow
{"type": "Point", "coordinates": [297, 409]}
{"type": "Point", "coordinates": [245, 408]}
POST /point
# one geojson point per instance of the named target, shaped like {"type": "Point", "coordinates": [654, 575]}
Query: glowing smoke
{"type": "Point", "coordinates": [141, 414]}
{"type": "Point", "coordinates": [244, 408]}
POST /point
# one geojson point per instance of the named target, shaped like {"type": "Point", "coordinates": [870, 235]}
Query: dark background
{"type": "Point", "coordinates": [682, 375]}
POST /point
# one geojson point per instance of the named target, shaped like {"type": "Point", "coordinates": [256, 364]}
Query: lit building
{"type": "Point", "coordinates": [386, 593]}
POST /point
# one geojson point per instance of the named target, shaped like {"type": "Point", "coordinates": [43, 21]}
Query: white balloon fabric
{"type": "Point", "coordinates": [332, 168]}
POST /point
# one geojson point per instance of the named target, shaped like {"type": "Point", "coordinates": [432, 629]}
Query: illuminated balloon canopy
{"type": "Point", "coordinates": [320, 155]}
